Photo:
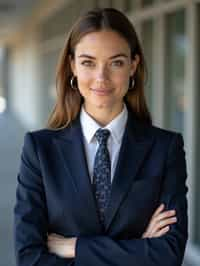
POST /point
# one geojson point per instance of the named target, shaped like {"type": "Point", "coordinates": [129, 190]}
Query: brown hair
{"type": "Point", "coordinates": [69, 100]}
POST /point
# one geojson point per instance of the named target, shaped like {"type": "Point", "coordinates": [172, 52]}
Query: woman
{"type": "Point", "coordinates": [101, 185]}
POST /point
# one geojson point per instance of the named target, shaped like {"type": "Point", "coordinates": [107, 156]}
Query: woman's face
{"type": "Point", "coordinates": [103, 66]}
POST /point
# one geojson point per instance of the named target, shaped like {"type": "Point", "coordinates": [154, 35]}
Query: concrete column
{"type": "Point", "coordinates": [25, 91]}
{"type": "Point", "coordinates": [158, 76]}
{"type": "Point", "coordinates": [191, 108]}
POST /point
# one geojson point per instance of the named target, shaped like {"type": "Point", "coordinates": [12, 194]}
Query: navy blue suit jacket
{"type": "Point", "coordinates": [54, 194]}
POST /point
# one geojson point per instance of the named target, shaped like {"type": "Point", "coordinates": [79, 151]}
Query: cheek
{"type": "Point", "coordinates": [83, 79]}
{"type": "Point", "coordinates": [122, 83]}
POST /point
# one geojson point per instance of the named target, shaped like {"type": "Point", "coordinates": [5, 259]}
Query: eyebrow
{"type": "Point", "coordinates": [112, 57]}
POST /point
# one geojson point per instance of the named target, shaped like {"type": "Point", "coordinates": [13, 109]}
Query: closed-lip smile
{"type": "Point", "coordinates": [101, 91]}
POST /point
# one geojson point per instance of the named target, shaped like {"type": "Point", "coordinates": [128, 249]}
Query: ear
{"type": "Point", "coordinates": [72, 65]}
{"type": "Point", "coordinates": [134, 64]}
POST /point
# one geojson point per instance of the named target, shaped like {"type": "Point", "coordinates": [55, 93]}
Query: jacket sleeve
{"type": "Point", "coordinates": [167, 250]}
{"type": "Point", "coordinates": [30, 214]}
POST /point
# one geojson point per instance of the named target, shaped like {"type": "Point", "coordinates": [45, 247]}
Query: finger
{"type": "Point", "coordinates": [151, 226]}
{"type": "Point", "coordinates": [167, 222]}
{"type": "Point", "coordinates": [165, 214]}
{"type": "Point", "coordinates": [159, 209]}
{"type": "Point", "coordinates": [145, 235]}
{"type": "Point", "coordinates": [162, 224]}
{"type": "Point", "coordinates": [54, 235]}
{"type": "Point", "coordinates": [154, 224]}
{"type": "Point", "coordinates": [161, 217]}
{"type": "Point", "coordinates": [161, 232]}
{"type": "Point", "coordinates": [54, 241]}
{"type": "Point", "coordinates": [159, 225]}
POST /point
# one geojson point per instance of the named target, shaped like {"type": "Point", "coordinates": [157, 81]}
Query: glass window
{"type": "Point", "coordinates": [176, 42]}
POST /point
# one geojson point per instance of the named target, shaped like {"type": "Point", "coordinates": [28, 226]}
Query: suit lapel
{"type": "Point", "coordinates": [71, 149]}
{"type": "Point", "coordinates": [136, 143]}
{"type": "Point", "coordinates": [135, 146]}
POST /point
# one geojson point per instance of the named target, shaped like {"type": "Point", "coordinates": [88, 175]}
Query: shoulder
{"type": "Point", "coordinates": [164, 133]}
{"type": "Point", "coordinates": [143, 130]}
{"type": "Point", "coordinates": [165, 142]}
{"type": "Point", "coordinates": [162, 137]}
{"type": "Point", "coordinates": [167, 137]}
{"type": "Point", "coordinates": [43, 136]}
{"type": "Point", "coordinates": [46, 133]}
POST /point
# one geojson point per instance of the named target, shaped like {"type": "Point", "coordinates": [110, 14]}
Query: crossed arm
{"type": "Point", "coordinates": [157, 227]}
{"type": "Point", "coordinates": [34, 248]}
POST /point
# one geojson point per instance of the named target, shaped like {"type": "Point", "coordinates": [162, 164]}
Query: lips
{"type": "Point", "coordinates": [101, 91]}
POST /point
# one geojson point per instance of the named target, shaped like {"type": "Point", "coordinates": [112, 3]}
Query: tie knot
{"type": "Point", "coordinates": [102, 135]}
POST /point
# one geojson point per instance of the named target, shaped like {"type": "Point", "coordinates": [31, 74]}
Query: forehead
{"type": "Point", "coordinates": [102, 43]}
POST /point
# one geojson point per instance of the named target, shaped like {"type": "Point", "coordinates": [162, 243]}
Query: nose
{"type": "Point", "coordinates": [102, 73]}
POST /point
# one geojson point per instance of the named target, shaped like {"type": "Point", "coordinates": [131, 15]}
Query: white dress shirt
{"type": "Point", "coordinates": [116, 128]}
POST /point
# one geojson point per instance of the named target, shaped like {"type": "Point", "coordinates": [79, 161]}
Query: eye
{"type": "Point", "coordinates": [118, 63]}
{"type": "Point", "coordinates": [87, 63]}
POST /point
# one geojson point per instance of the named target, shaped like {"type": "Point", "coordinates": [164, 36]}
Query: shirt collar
{"type": "Point", "coordinates": [116, 126]}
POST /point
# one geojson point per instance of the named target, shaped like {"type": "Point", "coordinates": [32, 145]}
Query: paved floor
{"type": "Point", "coordinates": [11, 140]}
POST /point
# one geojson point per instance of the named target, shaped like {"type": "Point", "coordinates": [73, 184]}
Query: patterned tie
{"type": "Point", "coordinates": [102, 173]}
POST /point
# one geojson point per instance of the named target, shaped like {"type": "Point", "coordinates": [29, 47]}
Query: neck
{"type": "Point", "coordinates": [103, 116]}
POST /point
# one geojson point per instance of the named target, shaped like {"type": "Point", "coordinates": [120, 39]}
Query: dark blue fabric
{"type": "Point", "coordinates": [102, 173]}
{"type": "Point", "coordinates": [55, 195]}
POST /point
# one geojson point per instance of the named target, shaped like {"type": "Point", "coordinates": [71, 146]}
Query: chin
{"type": "Point", "coordinates": [103, 105]}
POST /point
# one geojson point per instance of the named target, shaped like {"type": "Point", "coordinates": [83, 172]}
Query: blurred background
{"type": "Point", "coordinates": [32, 34]}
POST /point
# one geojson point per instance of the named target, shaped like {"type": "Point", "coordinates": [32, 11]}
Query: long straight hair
{"type": "Point", "coordinates": [69, 100]}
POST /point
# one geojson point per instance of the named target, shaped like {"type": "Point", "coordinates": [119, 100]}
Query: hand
{"type": "Point", "coordinates": [159, 223]}
{"type": "Point", "coordinates": [61, 246]}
